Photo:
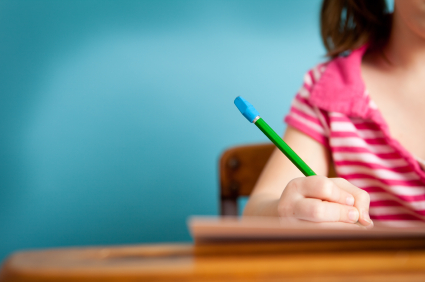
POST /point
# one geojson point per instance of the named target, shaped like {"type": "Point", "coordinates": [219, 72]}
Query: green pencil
{"type": "Point", "coordinates": [251, 114]}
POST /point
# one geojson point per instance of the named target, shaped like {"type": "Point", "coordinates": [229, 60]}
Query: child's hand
{"type": "Point", "coordinates": [322, 199]}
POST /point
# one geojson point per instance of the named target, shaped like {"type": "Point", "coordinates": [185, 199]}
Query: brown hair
{"type": "Point", "coordinates": [348, 24]}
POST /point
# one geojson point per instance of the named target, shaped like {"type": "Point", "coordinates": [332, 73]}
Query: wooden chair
{"type": "Point", "coordinates": [240, 168]}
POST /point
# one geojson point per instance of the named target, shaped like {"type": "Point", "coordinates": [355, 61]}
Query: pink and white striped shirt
{"type": "Point", "coordinates": [334, 108]}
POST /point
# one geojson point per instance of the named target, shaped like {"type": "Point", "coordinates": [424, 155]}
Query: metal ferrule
{"type": "Point", "coordinates": [255, 119]}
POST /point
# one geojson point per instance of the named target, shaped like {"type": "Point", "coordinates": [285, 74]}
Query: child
{"type": "Point", "coordinates": [359, 114]}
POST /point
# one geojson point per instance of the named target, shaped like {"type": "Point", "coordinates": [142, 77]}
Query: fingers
{"type": "Point", "coordinates": [322, 199]}
{"type": "Point", "coordinates": [321, 211]}
{"type": "Point", "coordinates": [361, 199]}
{"type": "Point", "coordinates": [320, 187]}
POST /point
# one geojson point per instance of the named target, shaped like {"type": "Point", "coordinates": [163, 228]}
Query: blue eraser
{"type": "Point", "coordinates": [246, 108]}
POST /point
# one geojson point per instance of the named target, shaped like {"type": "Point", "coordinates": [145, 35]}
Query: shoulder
{"type": "Point", "coordinates": [337, 85]}
{"type": "Point", "coordinates": [305, 116]}
{"type": "Point", "coordinates": [311, 77]}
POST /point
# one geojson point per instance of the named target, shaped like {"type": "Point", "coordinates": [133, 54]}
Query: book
{"type": "Point", "coordinates": [270, 228]}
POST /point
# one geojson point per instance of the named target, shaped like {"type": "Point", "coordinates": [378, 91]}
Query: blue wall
{"type": "Point", "coordinates": [113, 113]}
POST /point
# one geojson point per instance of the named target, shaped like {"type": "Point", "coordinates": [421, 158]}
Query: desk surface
{"type": "Point", "coordinates": [348, 260]}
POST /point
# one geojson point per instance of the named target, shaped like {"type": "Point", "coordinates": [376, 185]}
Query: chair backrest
{"type": "Point", "coordinates": [240, 168]}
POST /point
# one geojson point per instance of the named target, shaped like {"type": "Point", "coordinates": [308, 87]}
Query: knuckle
{"type": "Point", "coordinates": [320, 180]}
{"type": "Point", "coordinates": [325, 187]}
{"type": "Point", "coordinates": [317, 178]}
{"type": "Point", "coordinates": [342, 180]}
{"type": "Point", "coordinates": [318, 212]}
{"type": "Point", "coordinates": [293, 184]}
{"type": "Point", "coordinates": [364, 196]}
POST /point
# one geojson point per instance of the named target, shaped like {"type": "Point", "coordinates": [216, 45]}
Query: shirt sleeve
{"type": "Point", "coordinates": [306, 117]}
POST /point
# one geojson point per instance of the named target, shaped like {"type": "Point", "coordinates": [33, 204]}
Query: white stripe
{"type": "Point", "coordinates": [316, 73]}
{"type": "Point", "coordinates": [418, 205]}
{"type": "Point", "coordinates": [372, 105]}
{"type": "Point", "coordinates": [396, 189]}
{"type": "Point", "coordinates": [378, 173]}
{"type": "Point", "coordinates": [367, 133]}
{"type": "Point", "coordinates": [359, 142]}
{"type": "Point", "coordinates": [304, 92]}
{"type": "Point", "coordinates": [368, 158]}
{"type": "Point", "coordinates": [307, 79]}
{"type": "Point", "coordinates": [308, 123]}
{"type": "Point", "coordinates": [335, 114]}
{"type": "Point", "coordinates": [304, 108]}
{"type": "Point", "coordinates": [382, 196]}
{"type": "Point", "coordinates": [343, 126]}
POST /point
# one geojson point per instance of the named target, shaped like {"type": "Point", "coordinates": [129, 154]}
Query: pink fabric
{"type": "Point", "coordinates": [342, 76]}
{"type": "Point", "coordinates": [334, 108]}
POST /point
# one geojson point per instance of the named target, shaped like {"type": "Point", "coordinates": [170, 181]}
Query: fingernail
{"type": "Point", "coordinates": [350, 200]}
{"type": "Point", "coordinates": [366, 217]}
{"type": "Point", "coordinates": [353, 215]}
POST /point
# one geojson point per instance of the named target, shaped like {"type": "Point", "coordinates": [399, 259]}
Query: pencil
{"type": "Point", "coordinates": [252, 115]}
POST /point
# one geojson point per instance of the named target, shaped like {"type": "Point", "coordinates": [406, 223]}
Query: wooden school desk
{"type": "Point", "coordinates": [332, 260]}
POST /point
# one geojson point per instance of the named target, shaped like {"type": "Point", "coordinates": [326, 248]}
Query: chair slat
{"type": "Point", "coordinates": [240, 168]}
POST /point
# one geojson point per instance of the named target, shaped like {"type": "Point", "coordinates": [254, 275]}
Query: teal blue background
{"type": "Point", "coordinates": [113, 114]}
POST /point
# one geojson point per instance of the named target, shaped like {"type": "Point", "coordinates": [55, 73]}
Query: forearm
{"type": "Point", "coordinates": [262, 205]}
